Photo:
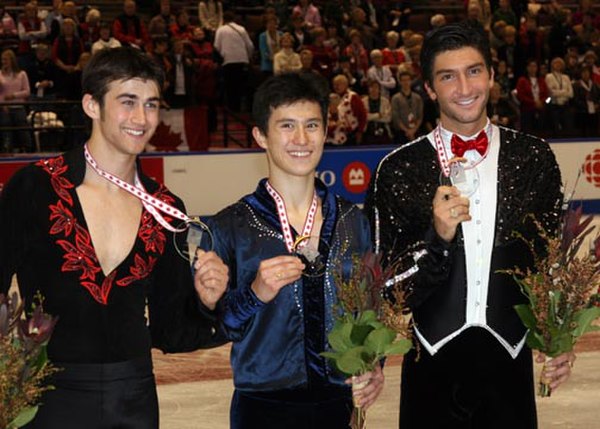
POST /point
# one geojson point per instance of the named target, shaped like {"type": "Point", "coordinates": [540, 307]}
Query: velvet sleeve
{"type": "Point", "coordinates": [239, 303]}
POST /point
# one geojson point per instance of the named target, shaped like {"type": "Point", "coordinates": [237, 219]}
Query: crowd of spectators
{"type": "Point", "coordinates": [545, 52]}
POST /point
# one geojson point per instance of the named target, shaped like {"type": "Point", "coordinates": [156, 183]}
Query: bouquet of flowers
{"type": "Point", "coordinates": [562, 290]}
{"type": "Point", "coordinates": [367, 325]}
{"type": "Point", "coordinates": [23, 361]}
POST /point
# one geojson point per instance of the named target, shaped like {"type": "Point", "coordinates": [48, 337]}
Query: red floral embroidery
{"type": "Point", "coordinates": [140, 270]}
{"type": "Point", "coordinates": [100, 293]}
{"type": "Point", "coordinates": [152, 235]}
{"type": "Point", "coordinates": [79, 252]}
{"type": "Point", "coordinates": [64, 220]}
{"type": "Point", "coordinates": [55, 167]}
{"type": "Point", "coordinates": [80, 256]}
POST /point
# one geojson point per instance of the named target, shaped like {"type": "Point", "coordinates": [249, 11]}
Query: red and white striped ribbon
{"type": "Point", "coordinates": [286, 228]}
{"type": "Point", "coordinates": [150, 203]}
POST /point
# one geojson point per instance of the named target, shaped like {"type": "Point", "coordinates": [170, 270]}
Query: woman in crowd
{"type": "Point", "coordinates": [14, 87]}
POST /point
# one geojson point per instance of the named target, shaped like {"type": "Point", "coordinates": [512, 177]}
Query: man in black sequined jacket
{"type": "Point", "coordinates": [474, 369]}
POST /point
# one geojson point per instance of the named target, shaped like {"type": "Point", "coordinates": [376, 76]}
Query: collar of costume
{"type": "Point", "coordinates": [444, 147]}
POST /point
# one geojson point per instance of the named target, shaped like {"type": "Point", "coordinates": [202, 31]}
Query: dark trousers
{"type": "Point", "coordinates": [250, 411]}
{"type": "Point", "coordinates": [17, 139]}
{"type": "Point", "coordinates": [471, 383]}
{"type": "Point", "coordinates": [100, 396]}
{"type": "Point", "coordinates": [235, 78]}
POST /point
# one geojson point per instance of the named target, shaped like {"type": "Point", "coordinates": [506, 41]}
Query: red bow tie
{"type": "Point", "coordinates": [460, 146]}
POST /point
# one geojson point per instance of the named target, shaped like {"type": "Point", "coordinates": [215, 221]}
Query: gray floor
{"type": "Point", "coordinates": [205, 405]}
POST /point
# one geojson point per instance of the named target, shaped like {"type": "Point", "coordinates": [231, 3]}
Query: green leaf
{"type": "Point", "coordinates": [526, 315]}
{"type": "Point", "coordinates": [400, 347]}
{"type": "Point", "coordinates": [332, 356]}
{"type": "Point", "coordinates": [24, 417]}
{"type": "Point", "coordinates": [366, 317]}
{"type": "Point", "coordinates": [379, 340]}
{"type": "Point", "coordinates": [583, 319]}
{"type": "Point", "coordinates": [352, 362]}
{"type": "Point", "coordinates": [535, 341]}
{"type": "Point", "coordinates": [359, 334]}
{"type": "Point", "coordinates": [339, 337]}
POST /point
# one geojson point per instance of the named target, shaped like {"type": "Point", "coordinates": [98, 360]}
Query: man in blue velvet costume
{"type": "Point", "coordinates": [475, 370]}
{"type": "Point", "coordinates": [277, 309]}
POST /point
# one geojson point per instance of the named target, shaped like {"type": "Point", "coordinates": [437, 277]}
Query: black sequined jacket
{"type": "Point", "coordinates": [399, 206]}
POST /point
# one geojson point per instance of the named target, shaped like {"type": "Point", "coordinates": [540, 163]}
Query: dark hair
{"type": "Point", "coordinates": [118, 64]}
{"type": "Point", "coordinates": [450, 37]}
{"type": "Point", "coordinates": [286, 89]}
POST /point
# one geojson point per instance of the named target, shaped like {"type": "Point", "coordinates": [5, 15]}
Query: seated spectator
{"type": "Point", "coordinates": [324, 58]}
{"type": "Point", "coordinates": [333, 40]}
{"type": "Point", "coordinates": [561, 93]}
{"type": "Point", "coordinates": [129, 29]}
{"type": "Point", "coordinates": [482, 12]}
{"type": "Point", "coordinates": [407, 110]}
{"type": "Point", "coordinates": [503, 79]}
{"type": "Point", "coordinates": [586, 101]}
{"type": "Point", "coordinates": [393, 56]}
{"type": "Point", "coordinates": [54, 13]}
{"type": "Point", "coordinates": [182, 29]}
{"type": "Point", "coordinates": [590, 59]}
{"type": "Point", "coordinates": [42, 73]}
{"type": "Point", "coordinates": [379, 116]}
{"type": "Point", "coordinates": [286, 60]}
{"type": "Point", "coordinates": [358, 22]}
{"type": "Point", "coordinates": [210, 15]}
{"type": "Point", "coordinates": [67, 10]}
{"type": "Point", "coordinates": [572, 67]}
{"type": "Point", "coordinates": [400, 12]}
{"type": "Point", "coordinates": [66, 50]}
{"type": "Point", "coordinates": [532, 93]}
{"type": "Point", "coordinates": [531, 40]}
{"type": "Point", "coordinates": [90, 29]}
{"type": "Point", "coordinates": [160, 25]}
{"type": "Point", "coordinates": [436, 21]}
{"type": "Point", "coordinates": [14, 87]}
{"type": "Point", "coordinates": [356, 51]}
{"type": "Point", "coordinates": [9, 36]}
{"type": "Point", "coordinates": [382, 74]}
{"type": "Point", "coordinates": [311, 16]}
{"type": "Point", "coordinates": [511, 53]}
{"type": "Point", "coordinates": [351, 109]}
{"type": "Point", "coordinates": [336, 127]}
{"type": "Point", "coordinates": [31, 29]}
{"type": "Point", "coordinates": [299, 32]}
{"type": "Point", "coordinates": [505, 13]}
{"type": "Point", "coordinates": [269, 45]}
{"type": "Point", "coordinates": [106, 41]}
{"type": "Point", "coordinates": [501, 111]}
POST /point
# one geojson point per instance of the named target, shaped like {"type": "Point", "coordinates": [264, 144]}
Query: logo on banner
{"type": "Point", "coordinates": [356, 177]}
{"type": "Point", "coordinates": [591, 168]}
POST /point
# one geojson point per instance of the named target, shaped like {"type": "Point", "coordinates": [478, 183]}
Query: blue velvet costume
{"type": "Point", "coordinates": [275, 353]}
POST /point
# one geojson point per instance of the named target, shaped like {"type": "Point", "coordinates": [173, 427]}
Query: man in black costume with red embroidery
{"type": "Point", "coordinates": [475, 370]}
{"type": "Point", "coordinates": [86, 230]}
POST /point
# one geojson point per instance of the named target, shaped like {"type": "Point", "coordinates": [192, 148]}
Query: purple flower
{"type": "Point", "coordinates": [38, 327]}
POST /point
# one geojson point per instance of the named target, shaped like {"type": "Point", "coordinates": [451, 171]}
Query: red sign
{"type": "Point", "coordinates": [356, 177]}
{"type": "Point", "coordinates": [7, 169]}
{"type": "Point", "coordinates": [591, 168]}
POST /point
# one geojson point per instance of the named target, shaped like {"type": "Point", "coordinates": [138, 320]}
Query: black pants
{"type": "Point", "coordinates": [471, 383]}
{"type": "Point", "coordinates": [235, 80]}
{"type": "Point", "coordinates": [250, 411]}
{"type": "Point", "coordinates": [100, 396]}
